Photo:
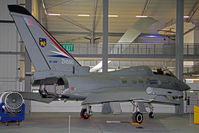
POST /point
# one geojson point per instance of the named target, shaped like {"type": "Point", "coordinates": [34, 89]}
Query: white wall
{"type": "Point", "coordinates": [196, 35]}
{"type": "Point", "coordinates": [189, 37]}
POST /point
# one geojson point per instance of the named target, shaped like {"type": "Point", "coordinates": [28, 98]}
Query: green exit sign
{"type": "Point", "coordinates": [68, 47]}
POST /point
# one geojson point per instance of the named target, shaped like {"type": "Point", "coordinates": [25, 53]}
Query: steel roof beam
{"type": "Point", "coordinates": [86, 33]}
{"type": "Point", "coordinates": [71, 21]}
{"type": "Point", "coordinates": [192, 11]}
{"type": "Point", "coordinates": [94, 23]}
{"type": "Point", "coordinates": [145, 7]}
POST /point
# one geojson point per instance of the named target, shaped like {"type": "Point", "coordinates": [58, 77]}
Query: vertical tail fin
{"type": "Point", "coordinates": [44, 50]}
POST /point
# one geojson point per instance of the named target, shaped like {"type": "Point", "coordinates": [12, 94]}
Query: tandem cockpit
{"type": "Point", "coordinates": [144, 70]}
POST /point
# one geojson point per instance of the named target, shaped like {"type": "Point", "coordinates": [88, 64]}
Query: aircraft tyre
{"type": "Point", "coordinates": [84, 114]}
{"type": "Point", "coordinates": [151, 115]}
{"type": "Point", "coordinates": [138, 117]}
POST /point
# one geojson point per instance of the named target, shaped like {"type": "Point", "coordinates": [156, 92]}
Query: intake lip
{"type": "Point", "coordinates": [12, 101]}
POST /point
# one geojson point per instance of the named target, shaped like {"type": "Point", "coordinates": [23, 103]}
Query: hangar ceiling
{"type": "Point", "coordinates": [75, 20]}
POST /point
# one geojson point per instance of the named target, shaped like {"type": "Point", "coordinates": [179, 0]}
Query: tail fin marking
{"type": "Point", "coordinates": [59, 48]}
{"type": "Point", "coordinates": [44, 50]}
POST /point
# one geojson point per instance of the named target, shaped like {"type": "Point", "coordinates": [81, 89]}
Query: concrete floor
{"type": "Point", "coordinates": [59, 122]}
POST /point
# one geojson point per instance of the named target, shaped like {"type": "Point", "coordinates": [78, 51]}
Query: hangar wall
{"type": "Point", "coordinates": [9, 48]}
{"type": "Point", "coordinates": [196, 33]}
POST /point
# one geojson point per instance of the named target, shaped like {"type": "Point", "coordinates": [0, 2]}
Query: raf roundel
{"type": "Point", "coordinates": [42, 42]}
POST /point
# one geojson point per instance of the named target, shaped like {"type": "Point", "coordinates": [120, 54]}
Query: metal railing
{"type": "Point", "coordinates": [135, 49]}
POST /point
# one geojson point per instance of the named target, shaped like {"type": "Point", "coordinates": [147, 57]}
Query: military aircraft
{"type": "Point", "coordinates": [54, 65]}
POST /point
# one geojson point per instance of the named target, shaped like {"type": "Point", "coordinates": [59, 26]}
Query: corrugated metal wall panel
{"type": "Point", "coordinates": [8, 43]}
{"type": "Point", "coordinates": [8, 66]}
{"type": "Point", "coordinates": [4, 13]}
{"type": "Point", "coordinates": [8, 37]}
{"type": "Point", "coordinates": [8, 72]}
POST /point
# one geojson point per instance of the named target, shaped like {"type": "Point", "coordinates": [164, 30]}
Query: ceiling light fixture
{"type": "Point", "coordinates": [113, 16]}
{"type": "Point", "coordinates": [141, 16]}
{"type": "Point", "coordinates": [186, 16]}
{"type": "Point", "coordinates": [83, 15]}
{"type": "Point", "coordinates": [54, 14]}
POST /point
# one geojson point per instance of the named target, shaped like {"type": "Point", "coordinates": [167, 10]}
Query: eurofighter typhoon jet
{"type": "Point", "coordinates": [54, 65]}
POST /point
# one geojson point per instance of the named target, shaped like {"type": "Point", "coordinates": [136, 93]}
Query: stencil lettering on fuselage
{"type": "Point", "coordinates": [67, 61]}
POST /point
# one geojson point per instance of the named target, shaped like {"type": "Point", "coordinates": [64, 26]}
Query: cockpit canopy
{"type": "Point", "coordinates": [163, 71]}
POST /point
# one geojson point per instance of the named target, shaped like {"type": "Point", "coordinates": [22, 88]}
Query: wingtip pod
{"type": "Point", "coordinates": [18, 9]}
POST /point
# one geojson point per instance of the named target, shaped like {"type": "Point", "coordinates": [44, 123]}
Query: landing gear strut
{"type": "Point", "coordinates": [138, 108]}
{"type": "Point", "coordinates": [137, 116]}
{"type": "Point", "coordinates": [151, 114]}
{"type": "Point", "coordinates": [86, 112]}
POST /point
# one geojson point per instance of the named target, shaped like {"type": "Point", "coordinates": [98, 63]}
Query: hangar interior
{"type": "Point", "coordinates": [78, 26]}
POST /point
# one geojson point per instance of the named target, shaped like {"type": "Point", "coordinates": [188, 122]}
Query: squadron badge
{"type": "Point", "coordinates": [42, 42]}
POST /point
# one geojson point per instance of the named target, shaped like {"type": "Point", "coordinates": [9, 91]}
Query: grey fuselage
{"type": "Point", "coordinates": [130, 79]}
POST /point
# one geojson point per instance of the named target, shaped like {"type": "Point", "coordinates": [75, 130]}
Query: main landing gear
{"type": "Point", "coordinates": [86, 112]}
{"type": "Point", "coordinates": [137, 115]}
